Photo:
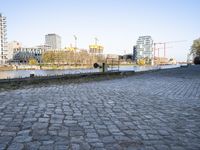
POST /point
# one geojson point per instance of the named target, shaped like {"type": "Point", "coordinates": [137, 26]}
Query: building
{"type": "Point", "coordinates": [96, 49]}
{"type": "Point", "coordinates": [71, 48]}
{"type": "Point", "coordinates": [24, 54]}
{"type": "Point", "coordinates": [10, 47]}
{"type": "Point", "coordinates": [44, 47]}
{"type": "Point", "coordinates": [134, 53]}
{"type": "Point", "coordinates": [112, 56]}
{"type": "Point", "coordinates": [144, 47]}
{"type": "Point", "coordinates": [3, 39]}
{"type": "Point", "coordinates": [54, 41]}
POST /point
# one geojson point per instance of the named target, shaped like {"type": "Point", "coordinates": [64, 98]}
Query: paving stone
{"type": "Point", "coordinates": [16, 146]}
{"type": "Point", "coordinates": [78, 139]}
{"type": "Point", "coordinates": [63, 133]}
{"type": "Point", "coordinates": [32, 145]}
{"type": "Point", "coordinates": [22, 139]}
{"type": "Point", "coordinates": [24, 132]}
{"type": "Point", "coordinates": [76, 133]}
{"type": "Point", "coordinates": [38, 126]}
{"type": "Point", "coordinates": [93, 140]}
{"type": "Point", "coordinates": [53, 132]}
{"type": "Point", "coordinates": [29, 119]}
{"type": "Point", "coordinates": [108, 139]}
{"type": "Point", "coordinates": [46, 147]}
{"type": "Point", "coordinates": [75, 147]}
{"type": "Point", "coordinates": [61, 147]}
{"type": "Point", "coordinates": [103, 132]}
{"type": "Point", "coordinates": [47, 142]}
{"type": "Point", "coordinates": [4, 140]}
{"type": "Point", "coordinates": [43, 119]}
{"type": "Point", "coordinates": [6, 133]}
{"type": "Point", "coordinates": [97, 145]}
{"type": "Point", "coordinates": [2, 146]}
{"type": "Point", "coordinates": [92, 135]}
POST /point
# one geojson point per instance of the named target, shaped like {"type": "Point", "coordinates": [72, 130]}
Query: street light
{"type": "Point", "coordinates": [75, 40]}
{"type": "Point", "coordinates": [75, 47]}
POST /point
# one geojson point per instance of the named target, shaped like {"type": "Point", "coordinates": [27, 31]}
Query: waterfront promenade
{"type": "Point", "coordinates": [155, 111]}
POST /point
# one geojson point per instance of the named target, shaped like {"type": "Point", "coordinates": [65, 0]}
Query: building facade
{"type": "Point", "coordinates": [96, 49]}
{"type": "Point", "coordinates": [11, 46]}
{"type": "Point", "coordinates": [144, 47]}
{"type": "Point", "coordinates": [3, 39]}
{"type": "Point", "coordinates": [53, 41]}
{"type": "Point", "coordinates": [24, 54]}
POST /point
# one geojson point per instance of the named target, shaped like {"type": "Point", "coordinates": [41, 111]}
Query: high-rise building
{"type": "Point", "coordinates": [3, 39]}
{"type": "Point", "coordinates": [144, 47]}
{"type": "Point", "coordinates": [53, 41]}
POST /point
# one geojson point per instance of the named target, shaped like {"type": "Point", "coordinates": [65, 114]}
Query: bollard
{"type": "Point", "coordinates": [104, 67]}
{"type": "Point", "coordinates": [31, 75]}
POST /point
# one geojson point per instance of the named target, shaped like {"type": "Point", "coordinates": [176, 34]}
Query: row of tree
{"type": "Point", "coordinates": [71, 58]}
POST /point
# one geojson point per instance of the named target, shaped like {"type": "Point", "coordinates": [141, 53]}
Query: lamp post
{"type": "Point", "coordinates": [75, 48]}
{"type": "Point", "coordinates": [75, 42]}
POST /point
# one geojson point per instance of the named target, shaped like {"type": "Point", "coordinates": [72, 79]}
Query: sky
{"type": "Point", "coordinates": [116, 23]}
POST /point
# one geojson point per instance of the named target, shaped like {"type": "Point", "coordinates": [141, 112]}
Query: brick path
{"type": "Point", "coordinates": [159, 110]}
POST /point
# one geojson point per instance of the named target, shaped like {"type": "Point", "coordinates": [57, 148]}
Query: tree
{"type": "Point", "coordinates": [32, 61]}
{"type": "Point", "coordinates": [197, 60]}
{"type": "Point", "coordinates": [48, 57]}
{"type": "Point", "coordinates": [196, 47]}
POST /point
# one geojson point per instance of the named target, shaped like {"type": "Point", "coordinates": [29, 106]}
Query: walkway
{"type": "Point", "coordinates": [153, 111]}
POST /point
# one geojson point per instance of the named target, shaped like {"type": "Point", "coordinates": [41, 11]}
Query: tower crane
{"type": "Point", "coordinates": [164, 45]}
{"type": "Point", "coordinates": [158, 50]}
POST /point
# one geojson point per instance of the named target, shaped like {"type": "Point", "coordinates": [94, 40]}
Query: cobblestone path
{"type": "Point", "coordinates": [152, 111]}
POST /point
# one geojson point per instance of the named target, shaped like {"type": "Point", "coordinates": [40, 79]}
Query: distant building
{"type": "Point", "coordinates": [11, 46]}
{"type": "Point", "coordinates": [44, 47]}
{"type": "Point", "coordinates": [112, 56]}
{"type": "Point", "coordinates": [71, 48]}
{"type": "Point", "coordinates": [144, 47]}
{"type": "Point", "coordinates": [54, 41]}
{"type": "Point", "coordinates": [134, 54]}
{"type": "Point", "coordinates": [127, 57]}
{"type": "Point", "coordinates": [162, 60]}
{"type": "Point", "coordinates": [96, 49]}
{"type": "Point", "coordinates": [23, 54]}
{"type": "Point", "coordinates": [3, 39]}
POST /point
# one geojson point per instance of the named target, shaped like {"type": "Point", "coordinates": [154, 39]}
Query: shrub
{"type": "Point", "coordinates": [197, 60]}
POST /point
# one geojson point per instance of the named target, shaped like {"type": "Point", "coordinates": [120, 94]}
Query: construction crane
{"type": "Point", "coordinates": [96, 40]}
{"type": "Point", "coordinates": [164, 45]}
{"type": "Point", "coordinates": [158, 50]}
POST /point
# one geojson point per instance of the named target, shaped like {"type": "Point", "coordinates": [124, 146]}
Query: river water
{"type": "Point", "coordinates": [26, 73]}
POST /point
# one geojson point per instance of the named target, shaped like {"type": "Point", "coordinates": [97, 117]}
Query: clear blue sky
{"type": "Point", "coordinates": [116, 23]}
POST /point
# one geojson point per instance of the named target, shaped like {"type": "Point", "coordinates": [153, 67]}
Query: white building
{"type": "Point", "coordinates": [3, 39]}
{"type": "Point", "coordinates": [11, 46]}
{"type": "Point", "coordinates": [144, 47]}
{"type": "Point", "coordinates": [54, 41]}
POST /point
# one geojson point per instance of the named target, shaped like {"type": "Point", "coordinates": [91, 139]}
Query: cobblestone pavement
{"type": "Point", "coordinates": [159, 110]}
